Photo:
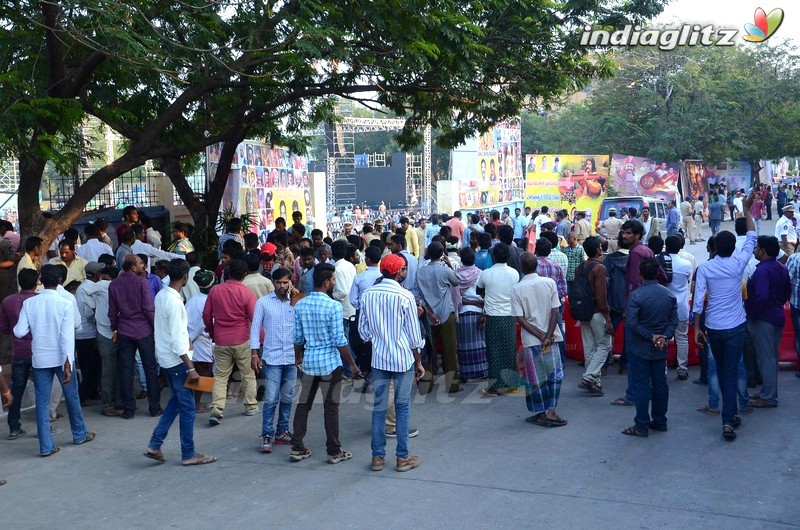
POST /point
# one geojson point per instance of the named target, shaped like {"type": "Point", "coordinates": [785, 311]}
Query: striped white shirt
{"type": "Point", "coordinates": [388, 318]}
{"type": "Point", "coordinates": [276, 318]}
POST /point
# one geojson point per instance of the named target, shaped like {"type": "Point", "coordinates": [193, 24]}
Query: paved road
{"type": "Point", "coordinates": [483, 467]}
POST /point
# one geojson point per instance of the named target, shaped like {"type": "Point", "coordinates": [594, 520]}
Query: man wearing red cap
{"type": "Point", "coordinates": [387, 318]}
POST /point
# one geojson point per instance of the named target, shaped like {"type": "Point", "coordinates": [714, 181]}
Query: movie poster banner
{"type": "Point", "coordinates": [498, 169]}
{"type": "Point", "coordinates": [634, 175]}
{"type": "Point", "coordinates": [267, 182]}
{"type": "Point", "coordinates": [571, 182]}
{"type": "Point", "coordinates": [693, 179]}
{"type": "Point", "coordinates": [734, 175]}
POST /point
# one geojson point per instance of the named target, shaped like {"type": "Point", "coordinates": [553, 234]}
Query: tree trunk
{"type": "Point", "coordinates": [755, 169]}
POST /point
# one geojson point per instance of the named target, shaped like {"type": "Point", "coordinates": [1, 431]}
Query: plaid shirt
{"type": "Point", "coordinates": [793, 264]}
{"type": "Point", "coordinates": [575, 256]}
{"type": "Point", "coordinates": [318, 323]}
{"type": "Point", "coordinates": [548, 268]}
{"type": "Point", "coordinates": [560, 258]}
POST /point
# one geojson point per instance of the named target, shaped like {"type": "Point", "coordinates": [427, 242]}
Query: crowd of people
{"type": "Point", "coordinates": [445, 299]}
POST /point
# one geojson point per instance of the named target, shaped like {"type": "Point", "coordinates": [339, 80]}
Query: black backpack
{"type": "Point", "coordinates": [581, 297]}
{"type": "Point", "coordinates": [665, 260]}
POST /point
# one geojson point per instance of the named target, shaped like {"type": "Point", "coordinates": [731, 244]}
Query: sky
{"type": "Point", "coordinates": [733, 14]}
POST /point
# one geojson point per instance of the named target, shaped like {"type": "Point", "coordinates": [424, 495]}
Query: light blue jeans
{"type": "Point", "coordinates": [713, 384]}
{"type": "Point", "coordinates": [43, 382]}
{"type": "Point", "coordinates": [281, 382]}
{"type": "Point", "coordinates": [180, 404]}
{"type": "Point", "coordinates": [403, 382]}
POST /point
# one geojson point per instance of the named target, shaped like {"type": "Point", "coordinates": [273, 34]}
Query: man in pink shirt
{"type": "Point", "coordinates": [456, 225]}
{"type": "Point", "coordinates": [227, 316]}
{"type": "Point", "coordinates": [758, 211]}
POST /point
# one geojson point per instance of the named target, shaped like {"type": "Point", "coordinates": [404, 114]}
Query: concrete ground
{"type": "Point", "coordinates": [483, 466]}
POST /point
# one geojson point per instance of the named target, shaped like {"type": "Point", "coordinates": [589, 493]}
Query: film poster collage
{"type": "Point", "coordinates": [271, 181]}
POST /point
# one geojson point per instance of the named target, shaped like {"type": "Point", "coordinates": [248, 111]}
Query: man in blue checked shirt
{"type": "Point", "coordinates": [319, 347]}
{"type": "Point", "coordinates": [388, 319]}
{"type": "Point", "coordinates": [274, 315]}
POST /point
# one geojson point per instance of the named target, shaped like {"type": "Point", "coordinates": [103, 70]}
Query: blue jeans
{"type": "Point", "coordinates": [650, 381]}
{"type": "Point", "coordinates": [180, 403]}
{"type": "Point", "coordinates": [726, 348]}
{"type": "Point", "coordinates": [43, 382]}
{"type": "Point", "coordinates": [713, 384]}
{"type": "Point", "coordinates": [280, 388]}
{"type": "Point", "coordinates": [20, 370]}
{"type": "Point", "coordinates": [672, 230]}
{"type": "Point", "coordinates": [402, 407]}
{"type": "Point", "coordinates": [714, 223]}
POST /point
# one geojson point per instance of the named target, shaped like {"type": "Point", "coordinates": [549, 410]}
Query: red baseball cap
{"type": "Point", "coordinates": [392, 263]}
{"type": "Point", "coordinates": [269, 249]}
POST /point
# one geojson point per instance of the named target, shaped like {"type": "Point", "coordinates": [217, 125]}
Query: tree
{"type": "Point", "coordinates": [175, 77]}
{"type": "Point", "coordinates": [714, 103]}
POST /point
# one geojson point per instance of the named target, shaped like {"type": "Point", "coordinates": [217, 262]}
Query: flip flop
{"type": "Point", "coordinates": [490, 393]}
{"type": "Point", "coordinates": [157, 456]}
{"type": "Point", "coordinates": [622, 402]}
{"type": "Point", "coordinates": [89, 437]}
{"type": "Point", "coordinates": [54, 451]}
{"type": "Point", "coordinates": [199, 460]}
{"type": "Point", "coordinates": [558, 421]}
{"type": "Point", "coordinates": [705, 409]}
{"type": "Point", "coordinates": [728, 433]}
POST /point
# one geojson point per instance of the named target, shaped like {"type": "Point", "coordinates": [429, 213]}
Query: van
{"type": "Point", "coordinates": [659, 208]}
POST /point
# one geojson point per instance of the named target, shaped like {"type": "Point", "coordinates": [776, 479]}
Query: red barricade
{"type": "Point", "coordinates": [574, 343]}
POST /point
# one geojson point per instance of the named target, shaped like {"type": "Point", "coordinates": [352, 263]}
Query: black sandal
{"type": "Point", "coordinates": [558, 421]}
{"type": "Point", "coordinates": [728, 433]}
{"type": "Point", "coordinates": [539, 419]}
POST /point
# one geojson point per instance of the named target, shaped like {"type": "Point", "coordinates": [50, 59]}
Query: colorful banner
{"type": "Point", "coordinates": [635, 175]}
{"type": "Point", "coordinates": [693, 179]}
{"type": "Point", "coordinates": [734, 175]}
{"type": "Point", "coordinates": [498, 169]}
{"type": "Point", "coordinates": [267, 182]}
{"type": "Point", "coordinates": [571, 182]}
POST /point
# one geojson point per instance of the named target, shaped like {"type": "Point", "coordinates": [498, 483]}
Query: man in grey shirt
{"type": "Point", "coordinates": [433, 283]}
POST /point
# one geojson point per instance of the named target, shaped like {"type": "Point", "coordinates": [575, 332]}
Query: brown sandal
{"type": "Point", "coordinates": [158, 456]}
{"type": "Point", "coordinates": [199, 460]}
{"type": "Point", "coordinates": [634, 431]}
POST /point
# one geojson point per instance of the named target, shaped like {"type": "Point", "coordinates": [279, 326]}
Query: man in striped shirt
{"type": "Point", "coordinates": [320, 345]}
{"type": "Point", "coordinates": [274, 315]}
{"type": "Point", "coordinates": [388, 319]}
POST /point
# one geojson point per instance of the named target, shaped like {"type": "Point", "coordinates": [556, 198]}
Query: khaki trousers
{"type": "Point", "coordinates": [225, 358]}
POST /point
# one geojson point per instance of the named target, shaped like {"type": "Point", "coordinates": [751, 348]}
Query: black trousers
{"type": "Point", "coordinates": [362, 350]}
{"type": "Point", "coordinates": [90, 366]}
{"type": "Point", "coordinates": [127, 365]}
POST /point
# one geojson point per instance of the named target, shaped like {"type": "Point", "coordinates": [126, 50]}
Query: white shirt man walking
{"type": "Point", "coordinates": [388, 319]}
{"type": "Point", "coordinates": [50, 320]}
{"type": "Point", "coordinates": [172, 351]}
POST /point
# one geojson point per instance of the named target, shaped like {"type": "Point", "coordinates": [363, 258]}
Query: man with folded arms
{"type": "Point", "coordinates": [387, 318]}
{"type": "Point", "coordinates": [50, 320]}
{"type": "Point", "coordinates": [172, 350]}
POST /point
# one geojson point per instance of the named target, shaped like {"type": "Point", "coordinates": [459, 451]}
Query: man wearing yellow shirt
{"type": "Point", "coordinates": [74, 264]}
{"type": "Point", "coordinates": [411, 237]}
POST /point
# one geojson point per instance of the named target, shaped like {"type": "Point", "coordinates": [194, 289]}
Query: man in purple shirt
{"type": "Point", "coordinates": [131, 312]}
{"type": "Point", "coordinates": [20, 348]}
{"type": "Point", "coordinates": [768, 290]}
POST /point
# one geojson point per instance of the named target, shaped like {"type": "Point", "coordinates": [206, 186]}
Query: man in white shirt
{"type": "Point", "coordinates": [50, 320]}
{"type": "Point", "coordinates": [274, 317]}
{"type": "Point", "coordinates": [93, 248]}
{"type": "Point", "coordinates": [388, 319]}
{"type": "Point", "coordinates": [699, 209]}
{"type": "Point", "coordinates": [541, 219]}
{"type": "Point", "coordinates": [738, 204]}
{"type": "Point", "coordinates": [85, 337]}
{"type": "Point", "coordinates": [535, 305]}
{"type": "Point", "coordinates": [172, 351]}
{"type": "Point", "coordinates": [785, 230]}
{"type": "Point", "coordinates": [681, 277]}
{"type": "Point", "coordinates": [346, 257]}
{"type": "Point", "coordinates": [495, 284]}
{"type": "Point", "coordinates": [141, 247]}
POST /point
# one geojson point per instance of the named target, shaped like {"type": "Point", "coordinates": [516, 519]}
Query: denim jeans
{"type": "Point", "coordinates": [20, 370]}
{"type": "Point", "coordinates": [43, 381]}
{"type": "Point", "coordinates": [280, 388]}
{"type": "Point", "coordinates": [714, 223]}
{"type": "Point", "coordinates": [726, 348]}
{"type": "Point", "coordinates": [180, 403]}
{"type": "Point", "coordinates": [403, 382]}
{"type": "Point", "coordinates": [127, 355]}
{"type": "Point", "coordinates": [650, 381]}
{"type": "Point", "coordinates": [713, 384]}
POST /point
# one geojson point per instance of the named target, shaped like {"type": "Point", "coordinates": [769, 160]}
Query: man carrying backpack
{"type": "Point", "coordinates": [588, 304]}
{"type": "Point", "coordinates": [616, 264]}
